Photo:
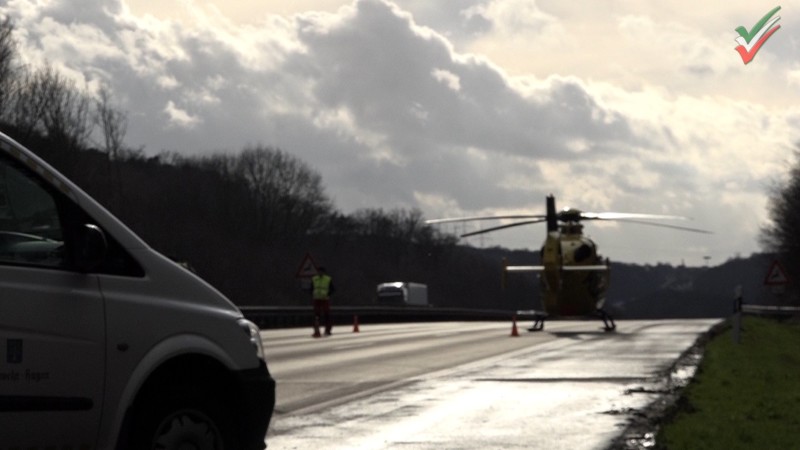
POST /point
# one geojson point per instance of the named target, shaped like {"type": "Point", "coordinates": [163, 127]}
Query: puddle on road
{"type": "Point", "coordinates": [644, 423]}
{"type": "Point", "coordinates": [623, 380]}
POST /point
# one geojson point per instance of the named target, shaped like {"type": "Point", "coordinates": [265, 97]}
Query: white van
{"type": "Point", "coordinates": [107, 344]}
{"type": "Point", "coordinates": [403, 293]}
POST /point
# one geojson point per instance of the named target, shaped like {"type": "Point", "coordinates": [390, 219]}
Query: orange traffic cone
{"type": "Point", "coordinates": [355, 324]}
{"type": "Point", "coordinates": [514, 332]}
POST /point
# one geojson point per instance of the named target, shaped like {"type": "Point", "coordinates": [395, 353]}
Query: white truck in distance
{"type": "Point", "coordinates": [107, 344]}
{"type": "Point", "coordinates": [403, 293]}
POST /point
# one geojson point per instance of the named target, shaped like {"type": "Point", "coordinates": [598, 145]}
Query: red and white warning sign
{"type": "Point", "coordinates": [307, 268]}
{"type": "Point", "coordinates": [776, 275]}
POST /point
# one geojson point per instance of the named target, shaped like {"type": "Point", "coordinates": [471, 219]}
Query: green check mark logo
{"type": "Point", "coordinates": [748, 36]}
{"type": "Point", "coordinates": [751, 41]}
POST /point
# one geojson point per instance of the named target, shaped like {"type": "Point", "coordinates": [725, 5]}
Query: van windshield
{"type": "Point", "coordinates": [30, 229]}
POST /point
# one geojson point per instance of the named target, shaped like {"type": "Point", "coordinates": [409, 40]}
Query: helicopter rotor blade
{"type": "Point", "coordinates": [663, 225]}
{"type": "Point", "coordinates": [469, 219]}
{"type": "Point", "coordinates": [502, 227]}
{"type": "Point", "coordinates": [622, 216]}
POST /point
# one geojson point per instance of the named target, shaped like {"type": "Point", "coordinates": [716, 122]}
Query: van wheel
{"type": "Point", "coordinates": [188, 429]}
{"type": "Point", "coordinates": [185, 423]}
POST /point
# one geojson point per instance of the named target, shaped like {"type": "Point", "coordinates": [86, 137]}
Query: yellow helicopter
{"type": "Point", "coordinates": [573, 276]}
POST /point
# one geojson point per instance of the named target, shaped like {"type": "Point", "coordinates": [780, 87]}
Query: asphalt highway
{"type": "Point", "coordinates": [468, 385]}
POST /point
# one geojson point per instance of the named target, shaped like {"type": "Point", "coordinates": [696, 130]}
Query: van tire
{"type": "Point", "coordinates": [184, 419]}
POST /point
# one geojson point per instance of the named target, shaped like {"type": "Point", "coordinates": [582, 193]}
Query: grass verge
{"type": "Point", "coordinates": [744, 396]}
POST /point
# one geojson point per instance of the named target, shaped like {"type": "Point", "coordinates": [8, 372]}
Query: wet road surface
{"type": "Point", "coordinates": [468, 385]}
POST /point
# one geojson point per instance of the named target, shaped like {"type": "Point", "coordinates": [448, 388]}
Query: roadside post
{"type": "Point", "coordinates": [737, 314]}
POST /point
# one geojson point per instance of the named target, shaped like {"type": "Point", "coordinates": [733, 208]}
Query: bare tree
{"type": "Point", "coordinates": [46, 102]}
{"type": "Point", "coordinates": [404, 225]}
{"type": "Point", "coordinates": [288, 194]}
{"type": "Point", "coordinates": [8, 55]}
{"type": "Point", "coordinates": [66, 119]}
{"type": "Point", "coordinates": [782, 234]}
{"type": "Point", "coordinates": [113, 125]}
{"type": "Point", "coordinates": [26, 105]}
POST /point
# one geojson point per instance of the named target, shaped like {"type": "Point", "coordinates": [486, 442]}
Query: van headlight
{"type": "Point", "coordinates": [254, 334]}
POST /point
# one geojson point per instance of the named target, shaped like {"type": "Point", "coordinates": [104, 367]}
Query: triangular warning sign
{"type": "Point", "coordinates": [776, 275]}
{"type": "Point", "coordinates": [307, 268]}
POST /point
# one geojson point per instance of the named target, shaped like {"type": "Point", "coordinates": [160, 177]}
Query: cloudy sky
{"type": "Point", "coordinates": [463, 107]}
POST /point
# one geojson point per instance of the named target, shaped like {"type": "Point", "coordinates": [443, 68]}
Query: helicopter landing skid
{"type": "Point", "coordinates": [608, 321]}
{"type": "Point", "coordinates": [538, 323]}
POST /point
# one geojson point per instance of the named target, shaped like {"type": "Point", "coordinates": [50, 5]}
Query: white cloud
{"type": "Point", "coordinates": [512, 17]}
{"type": "Point", "coordinates": [167, 82]}
{"type": "Point", "coordinates": [179, 117]}
{"type": "Point", "coordinates": [448, 78]}
{"type": "Point", "coordinates": [793, 76]}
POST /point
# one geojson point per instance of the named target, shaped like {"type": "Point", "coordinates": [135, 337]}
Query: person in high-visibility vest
{"type": "Point", "coordinates": [322, 288]}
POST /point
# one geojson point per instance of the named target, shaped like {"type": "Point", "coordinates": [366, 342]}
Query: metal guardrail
{"type": "Point", "coordinates": [770, 309]}
{"type": "Point", "coordinates": [300, 316]}
{"type": "Point", "coordinates": [740, 309]}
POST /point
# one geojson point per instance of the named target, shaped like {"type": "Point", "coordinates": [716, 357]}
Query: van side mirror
{"type": "Point", "coordinates": [90, 248]}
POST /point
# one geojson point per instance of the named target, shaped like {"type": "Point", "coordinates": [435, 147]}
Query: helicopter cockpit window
{"type": "Point", "coordinates": [583, 253]}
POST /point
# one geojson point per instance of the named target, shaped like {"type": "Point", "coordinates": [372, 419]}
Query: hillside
{"type": "Point", "coordinates": [671, 292]}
